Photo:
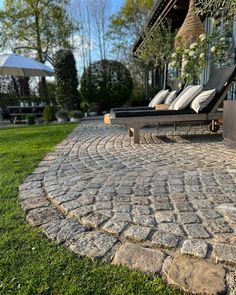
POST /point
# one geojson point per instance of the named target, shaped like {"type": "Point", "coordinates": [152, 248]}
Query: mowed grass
{"type": "Point", "coordinates": [29, 262]}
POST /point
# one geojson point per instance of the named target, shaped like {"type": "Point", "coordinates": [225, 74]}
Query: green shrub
{"type": "Point", "coordinates": [30, 119]}
{"type": "Point", "coordinates": [49, 114]}
{"type": "Point", "coordinates": [62, 114]}
{"type": "Point", "coordinates": [76, 114]}
{"type": "Point", "coordinates": [106, 83]}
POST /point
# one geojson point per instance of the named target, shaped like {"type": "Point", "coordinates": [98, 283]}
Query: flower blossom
{"type": "Point", "coordinates": [192, 53]}
{"type": "Point", "coordinates": [202, 56]}
{"type": "Point", "coordinates": [193, 45]}
{"type": "Point", "coordinates": [213, 49]}
{"type": "Point", "coordinates": [185, 62]}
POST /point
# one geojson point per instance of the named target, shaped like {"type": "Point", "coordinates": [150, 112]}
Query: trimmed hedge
{"type": "Point", "coordinates": [106, 83]}
{"type": "Point", "coordinates": [49, 114]}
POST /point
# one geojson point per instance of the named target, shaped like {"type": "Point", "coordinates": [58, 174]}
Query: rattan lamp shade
{"type": "Point", "coordinates": [191, 28]}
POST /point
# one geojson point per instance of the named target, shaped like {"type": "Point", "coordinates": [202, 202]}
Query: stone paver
{"type": "Point", "coordinates": [137, 257]}
{"type": "Point", "coordinates": [197, 276]}
{"type": "Point", "coordinates": [171, 194]}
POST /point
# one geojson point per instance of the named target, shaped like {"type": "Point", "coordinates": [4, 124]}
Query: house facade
{"type": "Point", "coordinates": [176, 11]}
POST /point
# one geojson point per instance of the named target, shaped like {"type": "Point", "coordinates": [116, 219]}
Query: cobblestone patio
{"type": "Point", "coordinates": [166, 206]}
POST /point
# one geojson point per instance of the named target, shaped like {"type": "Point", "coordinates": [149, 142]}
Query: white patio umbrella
{"type": "Point", "coordinates": [18, 65]}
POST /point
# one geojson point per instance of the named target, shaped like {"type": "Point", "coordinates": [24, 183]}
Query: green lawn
{"type": "Point", "coordinates": [29, 263]}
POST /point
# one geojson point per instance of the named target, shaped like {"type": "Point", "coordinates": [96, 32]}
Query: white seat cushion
{"type": "Point", "coordinates": [170, 97]}
{"type": "Point", "coordinates": [158, 98]}
{"type": "Point", "coordinates": [185, 97]}
{"type": "Point", "coordinates": [202, 100]}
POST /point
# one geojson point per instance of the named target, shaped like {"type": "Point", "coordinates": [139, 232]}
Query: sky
{"type": "Point", "coordinates": [116, 4]}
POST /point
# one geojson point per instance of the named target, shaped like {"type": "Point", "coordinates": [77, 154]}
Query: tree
{"type": "Point", "coordinates": [219, 9]}
{"type": "Point", "coordinates": [158, 47]}
{"type": "Point", "coordinates": [24, 87]}
{"type": "Point", "coordinates": [40, 24]}
{"type": "Point", "coordinates": [126, 26]}
{"type": "Point", "coordinates": [106, 83]}
{"type": "Point", "coordinates": [93, 18]}
{"type": "Point", "coordinates": [67, 82]}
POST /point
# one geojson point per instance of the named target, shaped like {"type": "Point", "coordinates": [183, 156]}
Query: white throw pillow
{"type": "Point", "coordinates": [181, 93]}
{"type": "Point", "coordinates": [185, 97]}
{"type": "Point", "coordinates": [170, 97]}
{"type": "Point", "coordinates": [202, 100]}
{"type": "Point", "coordinates": [158, 98]}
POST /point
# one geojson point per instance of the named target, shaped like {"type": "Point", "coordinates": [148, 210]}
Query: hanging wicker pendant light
{"type": "Point", "coordinates": [191, 28]}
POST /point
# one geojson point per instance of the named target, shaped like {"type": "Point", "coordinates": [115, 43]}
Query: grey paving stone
{"type": "Point", "coordinates": [124, 190]}
{"type": "Point", "coordinates": [69, 230]}
{"type": "Point", "coordinates": [34, 203]}
{"type": "Point", "coordinates": [124, 217]}
{"type": "Point", "coordinates": [209, 214]}
{"type": "Point", "coordinates": [93, 244]}
{"type": "Point", "coordinates": [228, 210]}
{"type": "Point", "coordinates": [144, 220]}
{"type": "Point", "coordinates": [114, 227]}
{"type": "Point", "coordinates": [202, 204]}
{"type": "Point", "coordinates": [137, 233]}
{"type": "Point", "coordinates": [218, 226]}
{"type": "Point", "coordinates": [173, 228]}
{"type": "Point", "coordinates": [80, 212]}
{"type": "Point", "coordinates": [41, 216]}
{"type": "Point", "coordinates": [196, 231]}
{"type": "Point", "coordinates": [165, 216]}
{"type": "Point", "coordinates": [140, 210]}
{"type": "Point", "coordinates": [183, 206]}
{"type": "Point", "coordinates": [224, 253]}
{"type": "Point", "coordinates": [137, 257]}
{"type": "Point", "coordinates": [94, 219]}
{"type": "Point", "coordinates": [178, 197]}
{"type": "Point", "coordinates": [188, 217]}
{"type": "Point", "coordinates": [164, 239]}
{"type": "Point", "coordinates": [103, 206]}
{"type": "Point", "coordinates": [86, 199]}
{"type": "Point", "coordinates": [163, 206]}
{"type": "Point", "coordinates": [196, 248]}
{"type": "Point", "coordinates": [139, 201]}
{"type": "Point", "coordinates": [122, 208]}
{"type": "Point", "coordinates": [31, 193]}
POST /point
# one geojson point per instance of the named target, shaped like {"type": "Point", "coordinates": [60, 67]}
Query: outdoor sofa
{"type": "Point", "coordinates": [220, 80]}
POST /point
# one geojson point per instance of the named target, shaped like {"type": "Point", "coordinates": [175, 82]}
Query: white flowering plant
{"type": "Point", "coordinates": [191, 60]}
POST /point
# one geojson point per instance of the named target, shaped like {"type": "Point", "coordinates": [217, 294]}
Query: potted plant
{"type": "Point", "coordinates": [62, 116]}
{"type": "Point", "coordinates": [75, 116]}
{"type": "Point", "coordinates": [30, 119]}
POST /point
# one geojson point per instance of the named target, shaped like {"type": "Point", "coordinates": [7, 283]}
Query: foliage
{"type": "Point", "coordinates": [107, 83]}
{"type": "Point", "coordinates": [158, 46]}
{"type": "Point", "coordinates": [62, 114]}
{"type": "Point", "coordinates": [49, 114]}
{"type": "Point", "coordinates": [42, 25]}
{"type": "Point", "coordinates": [126, 26]}
{"type": "Point", "coordinates": [30, 119]}
{"type": "Point", "coordinates": [66, 80]}
{"type": "Point", "coordinates": [76, 114]}
{"type": "Point", "coordinates": [219, 9]}
{"type": "Point", "coordinates": [12, 100]}
{"type": "Point", "coordinates": [30, 263]}
{"type": "Point", "coordinates": [190, 61]}
{"type": "Point", "coordinates": [132, 16]}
